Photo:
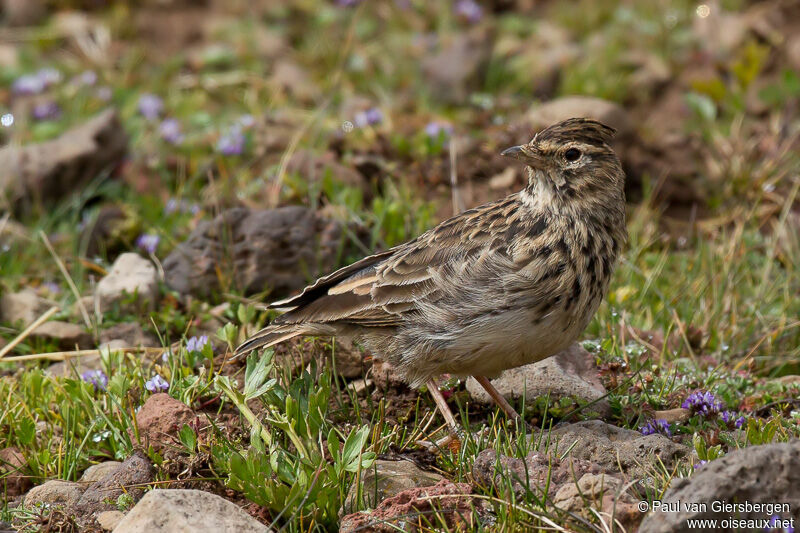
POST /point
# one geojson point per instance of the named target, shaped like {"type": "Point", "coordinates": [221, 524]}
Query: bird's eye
{"type": "Point", "coordinates": [572, 155]}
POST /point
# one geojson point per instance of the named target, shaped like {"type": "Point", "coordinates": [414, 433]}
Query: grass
{"type": "Point", "coordinates": [718, 286]}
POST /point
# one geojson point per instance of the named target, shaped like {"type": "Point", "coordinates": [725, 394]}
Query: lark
{"type": "Point", "coordinates": [502, 285]}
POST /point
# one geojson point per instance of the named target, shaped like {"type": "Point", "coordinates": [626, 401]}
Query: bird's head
{"type": "Point", "coordinates": [571, 159]}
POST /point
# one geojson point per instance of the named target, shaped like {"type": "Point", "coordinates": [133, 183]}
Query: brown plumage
{"type": "Point", "coordinates": [505, 284]}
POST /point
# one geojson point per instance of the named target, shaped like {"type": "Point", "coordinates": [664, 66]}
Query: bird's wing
{"type": "Point", "coordinates": [380, 290]}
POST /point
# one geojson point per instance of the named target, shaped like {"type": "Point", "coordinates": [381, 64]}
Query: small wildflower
{"type": "Point", "coordinates": [703, 403]}
{"type": "Point", "coordinates": [104, 93]}
{"type": "Point", "coordinates": [171, 206]}
{"type": "Point", "coordinates": [232, 142]}
{"type": "Point", "coordinates": [246, 121]}
{"type": "Point", "coordinates": [700, 464]}
{"type": "Point", "coordinates": [27, 84]}
{"type": "Point", "coordinates": [348, 3]}
{"type": "Point", "coordinates": [656, 426]}
{"type": "Point", "coordinates": [196, 344]}
{"type": "Point", "coordinates": [46, 111]}
{"type": "Point", "coordinates": [49, 76]}
{"type": "Point", "coordinates": [86, 78]}
{"type": "Point", "coordinates": [170, 130]}
{"type": "Point", "coordinates": [438, 130]}
{"type": "Point", "coordinates": [739, 422]}
{"type": "Point", "coordinates": [150, 106]}
{"type": "Point", "coordinates": [148, 242]}
{"type": "Point", "coordinates": [370, 117]}
{"type": "Point", "coordinates": [7, 120]}
{"type": "Point", "coordinates": [469, 10]}
{"type": "Point", "coordinates": [157, 384]}
{"type": "Point", "coordinates": [96, 378]}
{"type": "Point", "coordinates": [52, 287]}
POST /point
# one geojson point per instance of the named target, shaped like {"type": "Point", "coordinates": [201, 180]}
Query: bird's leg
{"type": "Point", "coordinates": [443, 407]}
{"type": "Point", "coordinates": [498, 398]}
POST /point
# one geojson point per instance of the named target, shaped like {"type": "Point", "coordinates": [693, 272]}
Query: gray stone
{"type": "Point", "coordinates": [277, 249]}
{"type": "Point", "coordinates": [559, 109]}
{"type": "Point", "coordinates": [99, 471]}
{"type": "Point", "coordinates": [183, 510]}
{"type": "Point", "coordinates": [49, 171]}
{"type": "Point", "coordinates": [384, 480]}
{"type": "Point", "coordinates": [768, 474]}
{"type": "Point", "coordinates": [130, 274]}
{"type": "Point", "coordinates": [459, 64]}
{"type": "Point", "coordinates": [130, 333]}
{"type": "Point", "coordinates": [613, 448]}
{"type": "Point", "coordinates": [568, 374]}
{"type": "Point", "coordinates": [108, 520]}
{"type": "Point", "coordinates": [54, 492]}
{"type": "Point", "coordinates": [129, 478]}
{"type": "Point", "coordinates": [69, 336]}
{"type": "Point", "coordinates": [23, 307]}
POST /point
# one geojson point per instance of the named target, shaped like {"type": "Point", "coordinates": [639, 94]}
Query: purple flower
{"type": "Point", "coordinates": [96, 378]}
{"type": "Point", "coordinates": [104, 93]}
{"type": "Point", "coordinates": [656, 426]}
{"type": "Point", "coordinates": [246, 121]}
{"type": "Point", "coordinates": [348, 3]}
{"type": "Point", "coordinates": [150, 106]}
{"type": "Point", "coordinates": [196, 344]}
{"type": "Point", "coordinates": [46, 111]}
{"type": "Point", "coordinates": [170, 130]}
{"type": "Point", "coordinates": [469, 10]}
{"type": "Point", "coordinates": [157, 384]}
{"type": "Point", "coordinates": [37, 82]}
{"type": "Point", "coordinates": [703, 403]}
{"type": "Point", "coordinates": [700, 464]}
{"type": "Point", "coordinates": [739, 422]}
{"type": "Point", "coordinates": [438, 130]}
{"type": "Point", "coordinates": [28, 84]}
{"type": "Point", "coordinates": [232, 142]}
{"type": "Point", "coordinates": [148, 242]}
{"type": "Point", "coordinates": [87, 78]}
{"type": "Point", "coordinates": [370, 117]}
{"type": "Point", "coordinates": [52, 287]}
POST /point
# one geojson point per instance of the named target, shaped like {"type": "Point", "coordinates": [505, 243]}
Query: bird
{"type": "Point", "coordinates": [505, 284]}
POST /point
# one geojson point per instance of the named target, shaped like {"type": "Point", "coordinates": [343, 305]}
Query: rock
{"type": "Point", "coordinates": [769, 473]}
{"type": "Point", "coordinates": [160, 419]}
{"type": "Point", "coordinates": [13, 472]}
{"type": "Point", "coordinates": [385, 376]}
{"type": "Point", "coordinates": [603, 493]}
{"type": "Point", "coordinates": [182, 510]}
{"type": "Point", "coordinates": [721, 32]}
{"type": "Point", "coordinates": [279, 249]}
{"type": "Point", "coordinates": [9, 57]}
{"type": "Point", "coordinates": [384, 480]}
{"type": "Point", "coordinates": [54, 492]}
{"type": "Point", "coordinates": [458, 67]}
{"type": "Point", "coordinates": [111, 231]}
{"type": "Point", "coordinates": [129, 478]}
{"type": "Point", "coordinates": [69, 336]}
{"type": "Point", "coordinates": [348, 358]}
{"type": "Point", "coordinates": [130, 274]}
{"type": "Point", "coordinates": [48, 171]}
{"type": "Point", "coordinates": [609, 113]}
{"type": "Point", "coordinates": [612, 448]}
{"type": "Point", "coordinates": [23, 12]}
{"type": "Point", "coordinates": [99, 471]}
{"type": "Point", "coordinates": [108, 520]}
{"type": "Point", "coordinates": [568, 374]}
{"type": "Point", "coordinates": [679, 414]}
{"type": "Point", "coordinates": [590, 488]}
{"type": "Point", "coordinates": [22, 308]}
{"type": "Point", "coordinates": [130, 333]}
{"type": "Point", "coordinates": [537, 470]}
{"type": "Point", "coordinates": [445, 503]}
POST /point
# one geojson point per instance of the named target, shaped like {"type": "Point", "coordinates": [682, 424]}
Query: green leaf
{"type": "Point", "coordinates": [188, 438]}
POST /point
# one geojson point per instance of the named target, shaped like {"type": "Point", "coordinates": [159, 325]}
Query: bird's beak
{"type": "Point", "coordinates": [524, 154]}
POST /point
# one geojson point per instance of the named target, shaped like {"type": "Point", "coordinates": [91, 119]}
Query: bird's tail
{"type": "Point", "coordinates": [270, 336]}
